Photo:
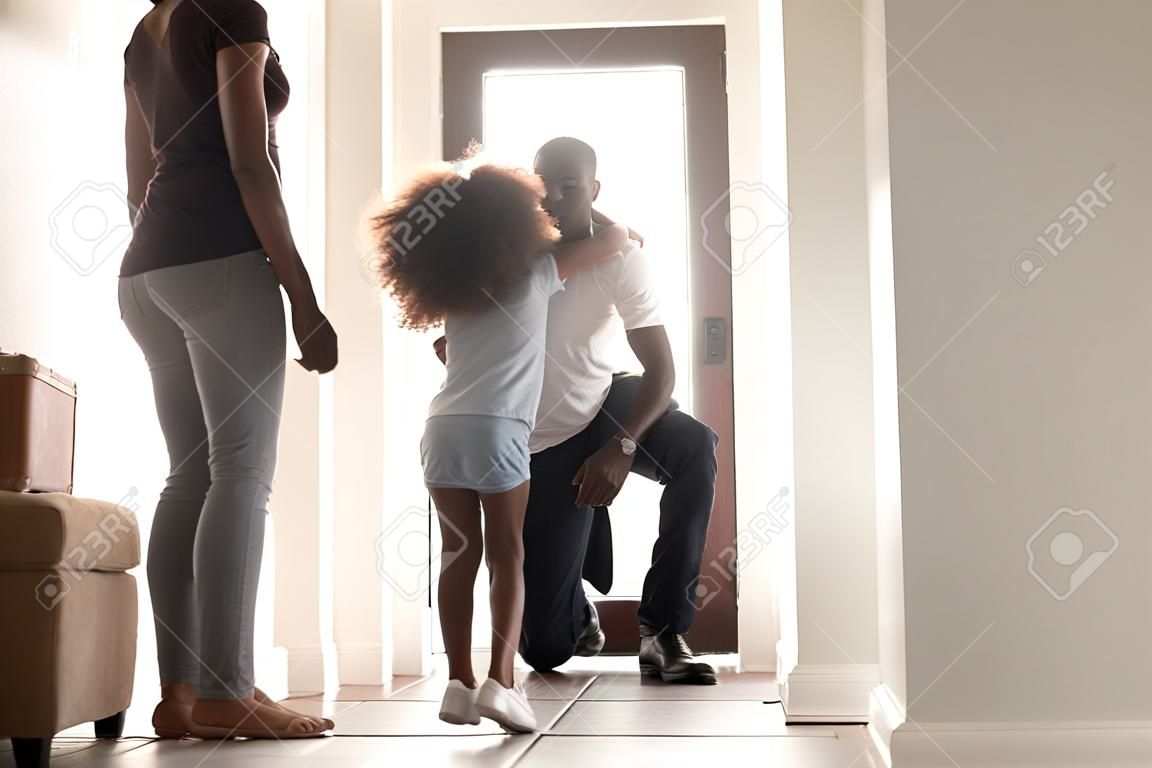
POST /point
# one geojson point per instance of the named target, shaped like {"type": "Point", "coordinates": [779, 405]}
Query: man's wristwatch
{"type": "Point", "coordinates": [627, 444]}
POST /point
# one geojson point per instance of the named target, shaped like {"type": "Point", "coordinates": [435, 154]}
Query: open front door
{"type": "Point", "coordinates": [652, 101]}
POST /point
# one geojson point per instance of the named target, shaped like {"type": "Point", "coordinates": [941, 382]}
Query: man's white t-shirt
{"type": "Point", "coordinates": [495, 358]}
{"type": "Point", "coordinates": [582, 322]}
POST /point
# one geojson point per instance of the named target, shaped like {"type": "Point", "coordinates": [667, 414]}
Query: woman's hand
{"type": "Point", "coordinates": [315, 337]}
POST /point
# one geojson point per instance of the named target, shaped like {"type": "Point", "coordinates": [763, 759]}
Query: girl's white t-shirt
{"type": "Point", "coordinates": [495, 357]}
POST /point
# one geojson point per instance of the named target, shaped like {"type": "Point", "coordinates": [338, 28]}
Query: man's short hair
{"type": "Point", "coordinates": [569, 148]}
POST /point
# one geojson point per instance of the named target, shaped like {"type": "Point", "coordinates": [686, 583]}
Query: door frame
{"type": "Point", "coordinates": [761, 296]}
{"type": "Point", "coordinates": [699, 51]}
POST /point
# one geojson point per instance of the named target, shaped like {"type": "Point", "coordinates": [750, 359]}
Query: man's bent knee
{"type": "Point", "coordinates": [544, 655]}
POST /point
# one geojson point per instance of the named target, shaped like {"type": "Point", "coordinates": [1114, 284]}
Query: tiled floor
{"type": "Point", "coordinates": [597, 712]}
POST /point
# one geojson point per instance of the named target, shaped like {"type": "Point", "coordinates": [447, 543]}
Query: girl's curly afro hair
{"type": "Point", "coordinates": [450, 244]}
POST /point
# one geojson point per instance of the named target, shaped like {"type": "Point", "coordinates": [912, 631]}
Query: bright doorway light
{"type": "Point", "coordinates": [634, 119]}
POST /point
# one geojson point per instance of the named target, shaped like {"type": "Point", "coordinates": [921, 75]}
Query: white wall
{"type": "Point", "coordinates": [1020, 400]}
{"type": "Point", "coordinates": [762, 350]}
{"type": "Point", "coordinates": [773, 368]}
{"type": "Point", "coordinates": [891, 699]}
{"type": "Point", "coordinates": [361, 426]}
{"type": "Point", "coordinates": [334, 606]}
{"type": "Point", "coordinates": [836, 645]}
{"type": "Point", "coordinates": [65, 67]}
{"type": "Point", "coordinates": [302, 617]}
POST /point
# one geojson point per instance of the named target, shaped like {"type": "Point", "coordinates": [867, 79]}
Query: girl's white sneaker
{"type": "Point", "coordinates": [509, 707]}
{"type": "Point", "coordinates": [459, 705]}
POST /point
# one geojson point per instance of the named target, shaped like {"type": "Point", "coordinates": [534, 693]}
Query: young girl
{"type": "Point", "coordinates": [480, 255]}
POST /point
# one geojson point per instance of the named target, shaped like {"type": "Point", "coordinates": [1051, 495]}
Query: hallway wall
{"type": "Point", "coordinates": [892, 694]}
{"type": "Point", "coordinates": [1020, 186]}
{"type": "Point", "coordinates": [60, 305]}
{"type": "Point", "coordinates": [835, 652]}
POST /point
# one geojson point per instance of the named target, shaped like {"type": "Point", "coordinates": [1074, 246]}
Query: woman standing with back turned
{"type": "Point", "coordinates": [200, 293]}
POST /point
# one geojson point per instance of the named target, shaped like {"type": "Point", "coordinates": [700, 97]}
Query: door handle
{"type": "Point", "coordinates": [715, 340]}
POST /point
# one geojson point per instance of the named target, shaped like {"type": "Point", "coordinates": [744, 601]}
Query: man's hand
{"type": "Point", "coordinates": [602, 476]}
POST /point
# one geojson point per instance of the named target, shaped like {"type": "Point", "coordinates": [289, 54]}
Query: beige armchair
{"type": "Point", "coordinates": [67, 618]}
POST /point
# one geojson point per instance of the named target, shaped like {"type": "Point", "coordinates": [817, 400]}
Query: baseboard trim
{"type": "Point", "coordinates": [829, 693]}
{"type": "Point", "coordinates": [785, 659]}
{"type": "Point", "coordinates": [1047, 744]}
{"type": "Point", "coordinates": [364, 663]}
{"type": "Point", "coordinates": [411, 638]}
{"type": "Point", "coordinates": [885, 715]}
{"type": "Point", "coordinates": [271, 668]}
{"type": "Point", "coordinates": [311, 670]}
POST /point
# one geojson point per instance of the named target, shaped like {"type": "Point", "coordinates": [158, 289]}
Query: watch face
{"type": "Point", "coordinates": [628, 446]}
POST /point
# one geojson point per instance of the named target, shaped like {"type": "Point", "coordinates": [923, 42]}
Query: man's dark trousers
{"type": "Point", "coordinates": [678, 452]}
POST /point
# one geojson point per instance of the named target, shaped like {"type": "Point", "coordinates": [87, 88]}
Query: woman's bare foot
{"type": "Point", "coordinates": [224, 718]}
{"type": "Point", "coordinates": [172, 717]}
{"type": "Point", "coordinates": [264, 698]}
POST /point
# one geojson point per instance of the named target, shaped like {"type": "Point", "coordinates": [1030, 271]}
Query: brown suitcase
{"type": "Point", "coordinates": [37, 426]}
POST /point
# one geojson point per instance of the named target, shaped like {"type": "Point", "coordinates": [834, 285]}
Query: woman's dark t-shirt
{"type": "Point", "coordinates": [192, 210]}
